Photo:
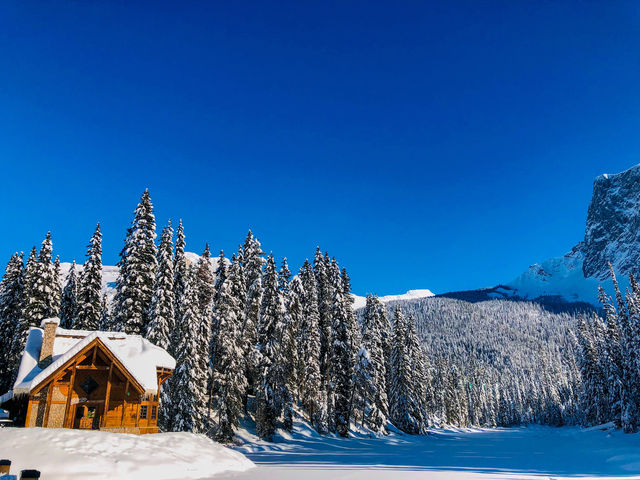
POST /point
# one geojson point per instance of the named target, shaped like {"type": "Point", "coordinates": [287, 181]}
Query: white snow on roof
{"type": "Point", "coordinates": [139, 356]}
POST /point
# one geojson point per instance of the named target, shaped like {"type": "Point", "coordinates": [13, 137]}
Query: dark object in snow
{"type": "Point", "coordinates": [29, 475]}
{"type": "Point", "coordinates": [5, 466]}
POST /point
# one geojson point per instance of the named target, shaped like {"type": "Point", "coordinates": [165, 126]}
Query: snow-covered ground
{"type": "Point", "coordinates": [507, 453]}
{"type": "Point", "coordinates": [62, 454]}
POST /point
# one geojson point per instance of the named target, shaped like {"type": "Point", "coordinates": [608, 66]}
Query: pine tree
{"type": "Point", "coordinates": [252, 263]}
{"type": "Point", "coordinates": [313, 396]}
{"type": "Point", "coordinates": [105, 315]}
{"type": "Point", "coordinates": [57, 286]}
{"type": "Point", "coordinates": [42, 299]}
{"type": "Point", "coordinates": [90, 289]}
{"type": "Point", "coordinates": [12, 325]}
{"type": "Point", "coordinates": [188, 384]}
{"type": "Point", "coordinates": [371, 375]}
{"type": "Point", "coordinates": [341, 367]}
{"type": "Point", "coordinates": [134, 287]}
{"type": "Point", "coordinates": [272, 381]}
{"type": "Point", "coordinates": [229, 382]}
{"type": "Point", "coordinates": [32, 311]}
{"type": "Point", "coordinates": [288, 342]}
{"type": "Point", "coordinates": [405, 403]}
{"type": "Point", "coordinates": [180, 269]}
{"type": "Point", "coordinates": [162, 320]}
{"type": "Point", "coordinates": [325, 301]}
{"type": "Point", "coordinates": [69, 300]}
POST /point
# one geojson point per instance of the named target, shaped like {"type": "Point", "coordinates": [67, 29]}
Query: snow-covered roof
{"type": "Point", "coordinates": [139, 356]}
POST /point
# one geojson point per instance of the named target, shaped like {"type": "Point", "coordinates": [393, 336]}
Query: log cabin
{"type": "Point", "coordinates": [88, 380]}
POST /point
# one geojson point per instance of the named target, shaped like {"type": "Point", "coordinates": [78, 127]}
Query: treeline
{"type": "Point", "coordinates": [246, 329]}
{"type": "Point", "coordinates": [498, 362]}
{"type": "Point", "coordinates": [610, 359]}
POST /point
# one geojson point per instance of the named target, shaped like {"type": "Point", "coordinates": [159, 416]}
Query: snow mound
{"type": "Point", "coordinates": [62, 454]}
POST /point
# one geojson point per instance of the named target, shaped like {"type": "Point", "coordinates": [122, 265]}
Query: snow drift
{"type": "Point", "coordinates": [62, 454]}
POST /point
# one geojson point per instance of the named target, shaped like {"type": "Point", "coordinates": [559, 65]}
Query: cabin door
{"type": "Point", "coordinates": [88, 416]}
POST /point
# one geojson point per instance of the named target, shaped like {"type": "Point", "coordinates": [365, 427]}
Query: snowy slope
{"type": "Point", "coordinates": [360, 302]}
{"type": "Point", "coordinates": [63, 454]}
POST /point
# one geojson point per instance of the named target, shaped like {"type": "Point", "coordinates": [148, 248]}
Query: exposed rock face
{"type": "Point", "coordinates": [613, 225]}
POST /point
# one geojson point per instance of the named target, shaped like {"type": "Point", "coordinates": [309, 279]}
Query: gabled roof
{"type": "Point", "coordinates": [139, 356]}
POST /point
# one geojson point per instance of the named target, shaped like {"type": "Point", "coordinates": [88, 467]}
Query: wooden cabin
{"type": "Point", "coordinates": [89, 380]}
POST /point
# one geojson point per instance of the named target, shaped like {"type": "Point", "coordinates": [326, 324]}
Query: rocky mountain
{"type": "Point", "coordinates": [612, 234]}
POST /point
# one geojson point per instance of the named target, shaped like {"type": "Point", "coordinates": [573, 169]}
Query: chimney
{"type": "Point", "coordinates": [50, 325]}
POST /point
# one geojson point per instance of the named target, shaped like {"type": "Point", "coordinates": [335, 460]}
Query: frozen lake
{"type": "Point", "coordinates": [518, 453]}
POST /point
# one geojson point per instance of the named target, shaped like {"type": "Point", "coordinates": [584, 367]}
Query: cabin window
{"type": "Point", "coordinates": [143, 411]}
{"type": "Point", "coordinates": [89, 385]}
{"type": "Point", "coordinates": [154, 412]}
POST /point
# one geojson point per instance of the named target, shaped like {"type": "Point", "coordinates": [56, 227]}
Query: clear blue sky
{"type": "Point", "coordinates": [443, 145]}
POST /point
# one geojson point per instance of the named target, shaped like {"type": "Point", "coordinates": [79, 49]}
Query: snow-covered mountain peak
{"type": "Point", "coordinates": [360, 302]}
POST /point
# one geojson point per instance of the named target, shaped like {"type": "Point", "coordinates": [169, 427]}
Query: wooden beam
{"type": "Point", "coordinates": [67, 413]}
{"type": "Point", "coordinates": [106, 401]}
{"type": "Point", "coordinates": [93, 358]}
{"type": "Point", "coordinates": [48, 405]}
{"type": "Point", "coordinates": [124, 403]}
{"type": "Point", "coordinates": [92, 367]}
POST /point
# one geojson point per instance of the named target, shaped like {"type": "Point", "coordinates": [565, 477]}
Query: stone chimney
{"type": "Point", "coordinates": [50, 325]}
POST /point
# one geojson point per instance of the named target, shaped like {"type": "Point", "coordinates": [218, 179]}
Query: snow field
{"type": "Point", "coordinates": [63, 454]}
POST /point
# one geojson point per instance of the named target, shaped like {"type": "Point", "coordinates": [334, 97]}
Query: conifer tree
{"type": "Point", "coordinates": [12, 325]}
{"type": "Point", "coordinates": [41, 297]}
{"type": "Point", "coordinates": [180, 269]}
{"type": "Point", "coordinates": [341, 367]}
{"type": "Point", "coordinates": [405, 405]}
{"type": "Point", "coordinates": [206, 290]}
{"type": "Point", "coordinates": [57, 286]}
{"type": "Point", "coordinates": [325, 300]}
{"type": "Point", "coordinates": [228, 381]}
{"type": "Point", "coordinates": [32, 311]}
{"type": "Point", "coordinates": [134, 287]}
{"type": "Point", "coordinates": [161, 317]}
{"type": "Point", "coordinates": [105, 315]}
{"type": "Point", "coordinates": [69, 300]}
{"type": "Point", "coordinates": [272, 381]}
{"type": "Point", "coordinates": [90, 289]}
{"type": "Point", "coordinates": [188, 384]}
{"type": "Point", "coordinates": [313, 396]}
{"type": "Point", "coordinates": [371, 375]}
{"type": "Point", "coordinates": [252, 263]}
{"type": "Point", "coordinates": [288, 343]}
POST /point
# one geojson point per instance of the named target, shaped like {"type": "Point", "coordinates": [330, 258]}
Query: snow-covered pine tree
{"type": "Point", "coordinates": [161, 316]}
{"type": "Point", "coordinates": [341, 366]}
{"type": "Point", "coordinates": [312, 394]}
{"type": "Point", "coordinates": [206, 290]}
{"type": "Point", "coordinates": [57, 286]}
{"type": "Point", "coordinates": [253, 261]}
{"type": "Point", "coordinates": [31, 308]}
{"type": "Point", "coordinates": [228, 380]}
{"type": "Point", "coordinates": [321, 268]}
{"type": "Point", "coordinates": [405, 406]}
{"type": "Point", "coordinates": [288, 343]}
{"type": "Point", "coordinates": [371, 375]}
{"type": "Point", "coordinates": [69, 300]}
{"type": "Point", "coordinates": [105, 314]}
{"type": "Point", "coordinates": [12, 325]}
{"type": "Point", "coordinates": [188, 384]}
{"type": "Point", "coordinates": [421, 378]}
{"type": "Point", "coordinates": [90, 288]}
{"type": "Point", "coordinates": [180, 268]}
{"type": "Point", "coordinates": [134, 287]}
{"type": "Point", "coordinates": [272, 381]}
{"type": "Point", "coordinates": [41, 297]}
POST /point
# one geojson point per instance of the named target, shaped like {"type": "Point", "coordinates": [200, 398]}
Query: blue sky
{"type": "Point", "coordinates": [442, 145]}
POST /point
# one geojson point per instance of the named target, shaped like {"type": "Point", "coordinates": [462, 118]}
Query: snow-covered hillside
{"type": "Point", "coordinates": [63, 454]}
{"type": "Point", "coordinates": [360, 302]}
